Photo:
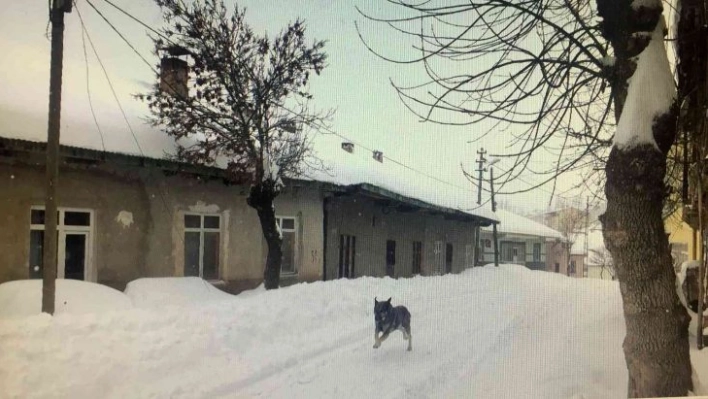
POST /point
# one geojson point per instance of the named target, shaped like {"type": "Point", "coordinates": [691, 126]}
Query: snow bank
{"type": "Point", "coordinates": [651, 91]}
{"type": "Point", "coordinates": [488, 332]}
{"type": "Point", "coordinates": [23, 298]}
{"type": "Point", "coordinates": [172, 291]}
{"type": "Point", "coordinates": [680, 278]}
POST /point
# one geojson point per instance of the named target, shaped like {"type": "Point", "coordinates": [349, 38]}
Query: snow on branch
{"type": "Point", "coordinates": [651, 93]}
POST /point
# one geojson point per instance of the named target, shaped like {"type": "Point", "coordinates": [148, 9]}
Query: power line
{"type": "Point", "coordinates": [88, 83]}
{"type": "Point", "coordinates": [120, 107]}
{"type": "Point", "coordinates": [108, 80]}
{"type": "Point", "coordinates": [146, 26]}
{"type": "Point", "coordinates": [317, 125]}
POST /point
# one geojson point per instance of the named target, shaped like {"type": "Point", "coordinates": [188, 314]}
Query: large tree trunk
{"type": "Point", "coordinates": [656, 345]}
{"type": "Point", "coordinates": [261, 199]}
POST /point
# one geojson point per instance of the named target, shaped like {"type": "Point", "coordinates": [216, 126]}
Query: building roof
{"type": "Point", "coordinates": [363, 174]}
{"type": "Point", "coordinates": [512, 223]}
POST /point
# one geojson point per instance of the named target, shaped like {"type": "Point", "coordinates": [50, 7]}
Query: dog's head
{"type": "Point", "coordinates": [381, 309]}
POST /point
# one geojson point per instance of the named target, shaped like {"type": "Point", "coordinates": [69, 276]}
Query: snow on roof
{"type": "Point", "coordinates": [359, 167]}
{"type": "Point", "coordinates": [30, 123]}
{"type": "Point", "coordinates": [24, 105]}
{"type": "Point", "coordinates": [512, 223]}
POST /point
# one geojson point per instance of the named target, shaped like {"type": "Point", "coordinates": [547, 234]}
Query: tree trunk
{"type": "Point", "coordinates": [261, 199]}
{"type": "Point", "coordinates": [656, 344]}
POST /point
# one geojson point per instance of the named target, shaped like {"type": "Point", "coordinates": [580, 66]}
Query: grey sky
{"type": "Point", "coordinates": [356, 82]}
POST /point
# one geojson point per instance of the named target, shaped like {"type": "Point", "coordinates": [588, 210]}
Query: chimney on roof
{"type": "Point", "coordinates": [348, 147]}
{"type": "Point", "coordinates": [174, 72]}
{"type": "Point", "coordinates": [378, 155]}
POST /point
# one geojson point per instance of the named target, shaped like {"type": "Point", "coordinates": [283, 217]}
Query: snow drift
{"type": "Point", "coordinates": [172, 291]}
{"type": "Point", "coordinates": [23, 298]}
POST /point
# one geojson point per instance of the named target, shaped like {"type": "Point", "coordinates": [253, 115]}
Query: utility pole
{"type": "Point", "coordinates": [494, 209]}
{"type": "Point", "coordinates": [481, 170]}
{"type": "Point", "coordinates": [49, 272]}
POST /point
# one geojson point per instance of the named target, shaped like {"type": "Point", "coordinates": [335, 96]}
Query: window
{"type": "Point", "coordinates": [288, 228]}
{"type": "Point", "coordinates": [390, 257]}
{"type": "Point", "coordinates": [537, 252]}
{"type": "Point", "coordinates": [202, 241]}
{"type": "Point", "coordinates": [417, 257]}
{"type": "Point", "coordinates": [487, 243]}
{"type": "Point", "coordinates": [347, 255]}
{"type": "Point", "coordinates": [448, 258]}
{"type": "Point", "coordinates": [74, 233]}
{"type": "Point", "coordinates": [512, 251]}
{"type": "Point", "coordinates": [571, 269]}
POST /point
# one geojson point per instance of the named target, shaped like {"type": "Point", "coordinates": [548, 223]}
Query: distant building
{"type": "Point", "coordinates": [521, 241]}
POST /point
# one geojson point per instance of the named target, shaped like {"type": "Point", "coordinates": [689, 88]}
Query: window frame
{"type": "Point", "coordinates": [90, 274]}
{"type": "Point", "coordinates": [295, 230]}
{"type": "Point", "coordinates": [202, 230]}
{"type": "Point", "coordinates": [537, 245]}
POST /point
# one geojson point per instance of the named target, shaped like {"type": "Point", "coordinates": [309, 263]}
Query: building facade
{"type": "Point", "coordinates": [124, 217]}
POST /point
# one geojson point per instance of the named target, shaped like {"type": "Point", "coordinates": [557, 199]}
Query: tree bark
{"type": "Point", "coordinates": [261, 198]}
{"type": "Point", "coordinates": [656, 345]}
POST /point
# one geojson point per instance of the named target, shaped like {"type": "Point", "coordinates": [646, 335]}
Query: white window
{"type": "Point", "coordinates": [202, 245]}
{"type": "Point", "coordinates": [74, 243]}
{"type": "Point", "coordinates": [288, 228]}
{"type": "Point", "coordinates": [536, 252]}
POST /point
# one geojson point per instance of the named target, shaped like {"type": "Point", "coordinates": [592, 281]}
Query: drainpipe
{"type": "Point", "coordinates": [325, 203]}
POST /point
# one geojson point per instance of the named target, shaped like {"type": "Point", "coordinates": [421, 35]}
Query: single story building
{"type": "Point", "coordinates": [124, 216]}
{"type": "Point", "coordinates": [521, 241]}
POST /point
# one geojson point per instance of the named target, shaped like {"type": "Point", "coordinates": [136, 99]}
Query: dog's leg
{"type": "Point", "coordinates": [410, 338]}
{"type": "Point", "coordinates": [381, 339]}
{"type": "Point", "coordinates": [377, 342]}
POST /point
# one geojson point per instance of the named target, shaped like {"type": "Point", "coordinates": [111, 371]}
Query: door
{"type": "Point", "coordinates": [75, 250]}
{"type": "Point", "coordinates": [448, 258]}
{"type": "Point", "coordinates": [347, 255]}
{"type": "Point", "coordinates": [390, 257]}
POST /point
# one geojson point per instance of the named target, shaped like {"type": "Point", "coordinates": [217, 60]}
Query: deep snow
{"type": "Point", "coordinates": [172, 291]}
{"type": "Point", "coordinates": [23, 298]}
{"type": "Point", "coordinates": [489, 332]}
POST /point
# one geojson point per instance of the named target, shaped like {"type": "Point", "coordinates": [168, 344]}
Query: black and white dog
{"type": "Point", "coordinates": [389, 319]}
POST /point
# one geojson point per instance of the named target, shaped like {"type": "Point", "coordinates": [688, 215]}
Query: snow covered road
{"type": "Point", "coordinates": [506, 332]}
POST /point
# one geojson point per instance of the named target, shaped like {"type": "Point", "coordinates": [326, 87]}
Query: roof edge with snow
{"type": "Point", "coordinates": [87, 157]}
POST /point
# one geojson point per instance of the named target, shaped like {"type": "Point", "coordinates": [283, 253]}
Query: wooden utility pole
{"type": "Point", "coordinates": [481, 171]}
{"type": "Point", "coordinates": [49, 272]}
{"type": "Point", "coordinates": [494, 225]}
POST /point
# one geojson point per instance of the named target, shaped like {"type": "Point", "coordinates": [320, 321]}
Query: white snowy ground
{"type": "Point", "coordinates": [506, 332]}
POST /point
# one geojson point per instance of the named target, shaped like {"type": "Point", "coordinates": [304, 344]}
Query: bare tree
{"type": "Point", "coordinates": [603, 258]}
{"type": "Point", "coordinates": [570, 222]}
{"type": "Point", "coordinates": [246, 104]}
{"type": "Point", "coordinates": [540, 68]}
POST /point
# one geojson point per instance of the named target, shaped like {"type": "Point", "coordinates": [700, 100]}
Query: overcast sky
{"type": "Point", "coordinates": [356, 82]}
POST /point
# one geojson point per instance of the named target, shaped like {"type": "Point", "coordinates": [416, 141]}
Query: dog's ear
{"type": "Point", "coordinates": [389, 300]}
{"type": "Point", "coordinates": [375, 301]}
